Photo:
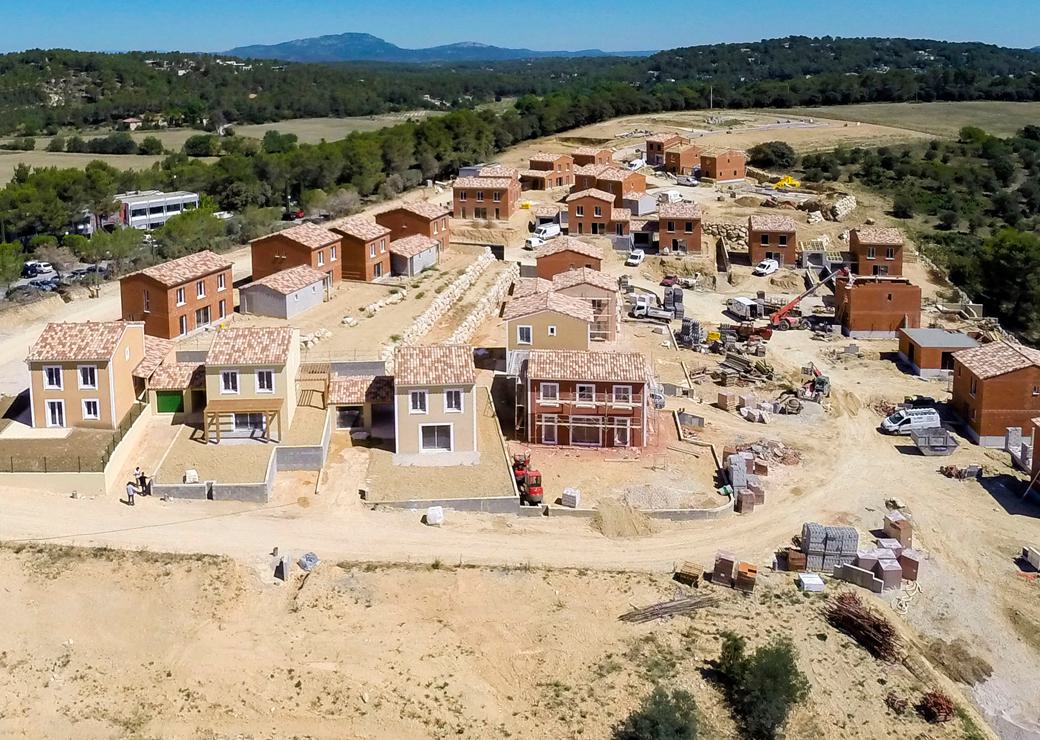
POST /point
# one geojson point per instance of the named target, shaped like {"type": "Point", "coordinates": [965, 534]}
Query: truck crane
{"type": "Point", "coordinates": [783, 320]}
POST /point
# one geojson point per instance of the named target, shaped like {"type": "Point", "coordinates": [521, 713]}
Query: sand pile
{"type": "Point", "coordinates": [788, 281]}
{"type": "Point", "coordinates": [614, 519]}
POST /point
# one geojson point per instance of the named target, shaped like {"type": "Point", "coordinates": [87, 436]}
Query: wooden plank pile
{"type": "Point", "coordinates": [683, 605]}
{"type": "Point", "coordinates": [869, 628]}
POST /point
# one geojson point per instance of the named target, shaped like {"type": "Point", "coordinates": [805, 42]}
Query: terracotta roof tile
{"type": "Point", "coordinates": [185, 269]}
{"type": "Point", "coordinates": [539, 174]}
{"type": "Point", "coordinates": [290, 280]}
{"type": "Point", "coordinates": [590, 151]}
{"type": "Point", "coordinates": [997, 358]}
{"type": "Point", "coordinates": [155, 351]}
{"type": "Point", "coordinates": [629, 367]}
{"type": "Point", "coordinates": [549, 301]}
{"type": "Point", "coordinates": [309, 235]}
{"type": "Point", "coordinates": [679, 210]}
{"type": "Point", "coordinates": [662, 138]}
{"type": "Point", "coordinates": [771, 222]}
{"type": "Point", "coordinates": [614, 174]}
{"type": "Point", "coordinates": [426, 209]}
{"type": "Point", "coordinates": [249, 345]}
{"type": "Point", "coordinates": [360, 227]}
{"type": "Point", "coordinates": [593, 170]}
{"type": "Point", "coordinates": [568, 244]}
{"type": "Point", "coordinates": [89, 340]}
{"type": "Point", "coordinates": [354, 390]}
{"type": "Point", "coordinates": [880, 235]}
{"type": "Point", "coordinates": [591, 193]}
{"type": "Point", "coordinates": [498, 170]}
{"type": "Point", "coordinates": [545, 210]}
{"type": "Point", "coordinates": [412, 245]}
{"type": "Point", "coordinates": [439, 364]}
{"type": "Point", "coordinates": [178, 376]}
{"type": "Point", "coordinates": [713, 152]}
{"type": "Point", "coordinates": [546, 157]}
{"type": "Point", "coordinates": [487, 183]}
{"type": "Point", "coordinates": [530, 286]}
{"type": "Point", "coordinates": [621, 214]}
{"type": "Point", "coordinates": [583, 276]}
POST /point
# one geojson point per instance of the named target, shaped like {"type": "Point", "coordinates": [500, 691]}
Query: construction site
{"type": "Point", "coordinates": [727, 402]}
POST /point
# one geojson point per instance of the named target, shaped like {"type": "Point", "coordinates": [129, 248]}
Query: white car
{"type": "Point", "coordinates": [533, 242]}
{"type": "Point", "coordinates": [688, 180]}
{"type": "Point", "coordinates": [767, 267]}
{"type": "Point", "coordinates": [635, 258]}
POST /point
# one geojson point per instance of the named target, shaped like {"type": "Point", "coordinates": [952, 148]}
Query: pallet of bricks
{"type": "Point", "coordinates": [827, 548]}
{"type": "Point", "coordinates": [745, 476]}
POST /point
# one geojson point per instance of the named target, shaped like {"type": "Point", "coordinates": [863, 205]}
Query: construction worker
{"type": "Point", "coordinates": [142, 481]}
{"type": "Point", "coordinates": [131, 491]}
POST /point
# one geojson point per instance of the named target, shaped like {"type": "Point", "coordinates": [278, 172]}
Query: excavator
{"type": "Point", "coordinates": [528, 481]}
{"type": "Point", "coordinates": [783, 318]}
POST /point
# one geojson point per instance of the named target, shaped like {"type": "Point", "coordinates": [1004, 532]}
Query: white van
{"type": "Point", "coordinates": [669, 196]}
{"type": "Point", "coordinates": [547, 231]}
{"type": "Point", "coordinates": [905, 421]}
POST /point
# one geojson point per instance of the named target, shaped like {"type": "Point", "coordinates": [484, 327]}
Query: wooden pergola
{"type": "Point", "coordinates": [317, 373]}
{"type": "Point", "coordinates": [271, 408]}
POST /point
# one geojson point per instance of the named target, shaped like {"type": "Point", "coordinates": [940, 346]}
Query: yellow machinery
{"type": "Point", "coordinates": [786, 182]}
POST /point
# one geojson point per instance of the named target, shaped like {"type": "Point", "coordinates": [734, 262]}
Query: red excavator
{"type": "Point", "coordinates": [528, 482]}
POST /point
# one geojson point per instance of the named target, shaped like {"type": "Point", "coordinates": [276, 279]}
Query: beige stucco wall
{"type": "Point", "coordinates": [571, 332]}
{"type": "Point", "coordinates": [608, 316]}
{"type": "Point", "coordinates": [464, 423]}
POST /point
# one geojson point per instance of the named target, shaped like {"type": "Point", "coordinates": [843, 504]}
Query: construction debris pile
{"type": "Point", "coordinates": [873, 631]}
{"type": "Point", "coordinates": [745, 473]}
{"type": "Point", "coordinates": [750, 408]}
{"type": "Point", "coordinates": [728, 571]}
{"type": "Point", "coordinates": [887, 565]}
{"type": "Point", "coordinates": [771, 451]}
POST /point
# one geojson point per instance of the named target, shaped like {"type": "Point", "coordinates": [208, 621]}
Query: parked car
{"type": "Point", "coordinates": [636, 164]}
{"type": "Point", "coordinates": [689, 180]}
{"type": "Point", "coordinates": [45, 284]}
{"type": "Point", "coordinates": [547, 231]}
{"type": "Point", "coordinates": [905, 421]}
{"type": "Point", "coordinates": [635, 258]}
{"type": "Point", "coordinates": [533, 242]}
{"type": "Point", "coordinates": [669, 280]}
{"type": "Point", "coordinates": [766, 267]}
{"type": "Point", "coordinates": [29, 270]}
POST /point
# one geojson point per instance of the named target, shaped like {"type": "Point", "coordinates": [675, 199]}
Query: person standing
{"type": "Point", "coordinates": [131, 491]}
{"type": "Point", "coordinates": [142, 480]}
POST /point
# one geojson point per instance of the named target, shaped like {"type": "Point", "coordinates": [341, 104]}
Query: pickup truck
{"type": "Point", "coordinates": [644, 307]}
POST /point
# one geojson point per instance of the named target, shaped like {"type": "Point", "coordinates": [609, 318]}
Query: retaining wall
{"type": "Point", "coordinates": [181, 490]}
{"type": "Point", "coordinates": [497, 505]}
{"type": "Point", "coordinates": [311, 457]}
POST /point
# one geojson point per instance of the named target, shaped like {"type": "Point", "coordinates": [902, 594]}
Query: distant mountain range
{"type": "Point", "coordinates": [364, 47]}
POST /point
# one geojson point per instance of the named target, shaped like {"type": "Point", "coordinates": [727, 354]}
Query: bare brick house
{"type": "Point", "coordinates": [658, 144]}
{"type": "Point", "coordinates": [679, 227]}
{"type": "Point", "coordinates": [178, 297]}
{"type": "Point", "coordinates": [566, 253]}
{"type": "Point", "coordinates": [876, 251]}
{"type": "Point", "coordinates": [724, 165]}
{"type": "Point", "coordinates": [548, 171]}
{"type": "Point", "coordinates": [585, 155]}
{"type": "Point", "coordinates": [366, 248]}
{"type": "Point", "coordinates": [995, 387]}
{"type": "Point", "coordinates": [418, 218]}
{"type": "Point", "coordinates": [305, 244]}
{"type": "Point", "coordinates": [876, 307]}
{"type": "Point", "coordinates": [485, 198]}
{"type": "Point", "coordinates": [683, 159]}
{"type": "Point", "coordinates": [772, 236]}
{"type": "Point", "coordinates": [593, 212]}
{"type": "Point", "coordinates": [618, 182]}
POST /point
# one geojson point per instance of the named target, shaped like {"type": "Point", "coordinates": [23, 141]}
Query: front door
{"type": "Point", "coordinates": [55, 413]}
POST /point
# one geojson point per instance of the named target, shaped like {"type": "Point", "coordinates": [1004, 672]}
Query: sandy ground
{"type": "Point", "coordinates": [232, 461]}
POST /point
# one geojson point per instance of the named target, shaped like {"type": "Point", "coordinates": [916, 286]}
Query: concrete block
{"type": "Point", "coordinates": [283, 568]}
{"type": "Point", "coordinates": [571, 498]}
{"type": "Point", "coordinates": [1013, 440]}
{"type": "Point", "coordinates": [859, 577]}
{"type": "Point", "coordinates": [888, 543]}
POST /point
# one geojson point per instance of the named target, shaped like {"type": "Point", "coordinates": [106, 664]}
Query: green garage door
{"type": "Point", "coordinates": [169, 402]}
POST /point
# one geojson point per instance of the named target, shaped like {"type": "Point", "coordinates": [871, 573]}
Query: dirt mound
{"type": "Point", "coordinates": [749, 201]}
{"type": "Point", "coordinates": [788, 281]}
{"type": "Point", "coordinates": [477, 233]}
{"type": "Point", "coordinates": [614, 519]}
{"type": "Point", "coordinates": [956, 661]}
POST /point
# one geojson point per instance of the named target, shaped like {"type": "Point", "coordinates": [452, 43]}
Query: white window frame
{"type": "Point", "coordinates": [552, 330]}
{"type": "Point", "coordinates": [372, 250]}
{"type": "Point", "coordinates": [257, 381]}
{"type": "Point", "coordinates": [47, 413]}
{"type": "Point", "coordinates": [179, 297]}
{"type": "Point", "coordinates": [597, 211]}
{"type": "Point", "coordinates": [462, 402]}
{"type": "Point", "coordinates": [463, 195]}
{"type": "Point", "coordinates": [200, 289]}
{"type": "Point", "coordinates": [412, 396]}
{"type": "Point", "coordinates": [79, 377]}
{"type": "Point", "coordinates": [435, 451]}
{"type": "Point", "coordinates": [549, 421]}
{"type": "Point", "coordinates": [871, 253]}
{"type": "Point", "coordinates": [182, 325]}
{"type": "Point", "coordinates": [890, 253]}
{"type": "Point", "coordinates": [382, 246]}
{"type": "Point", "coordinates": [480, 196]}
{"type": "Point", "coordinates": [622, 422]}
{"type": "Point", "coordinates": [97, 405]}
{"type": "Point", "coordinates": [496, 197]}
{"type": "Point", "coordinates": [321, 258]}
{"type": "Point", "coordinates": [332, 254]}
{"type": "Point", "coordinates": [543, 398]}
{"type": "Point", "coordinates": [225, 375]}
{"type": "Point", "coordinates": [221, 282]}
{"type": "Point", "coordinates": [519, 334]}
{"type": "Point", "coordinates": [579, 211]}
{"type": "Point", "coordinates": [627, 389]}
{"type": "Point", "coordinates": [578, 391]}
{"type": "Point", "coordinates": [47, 385]}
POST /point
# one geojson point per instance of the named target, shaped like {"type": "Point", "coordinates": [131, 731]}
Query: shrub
{"type": "Point", "coordinates": [772, 154]}
{"type": "Point", "coordinates": [663, 715]}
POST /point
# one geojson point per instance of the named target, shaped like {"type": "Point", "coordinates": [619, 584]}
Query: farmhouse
{"type": "Point", "coordinates": [285, 294]}
{"type": "Point", "coordinates": [724, 165]}
{"type": "Point", "coordinates": [996, 387]}
{"type": "Point", "coordinates": [304, 244]}
{"type": "Point", "coordinates": [657, 146]}
{"type": "Point", "coordinates": [772, 236]}
{"type": "Point", "coordinates": [485, 198]}
{"type": "Point", "coordinates": [593, 212]}
{"type": "Point", "coordinates": [876, 251]}
{"type": "Point", "coordinates": [548, 171]}
{"type": "Point", "coordinates": [365, 243]}
{"type": "Point", "coordinates": [620, 183]}
{"type": "Point", "coordinates": [585, 155]}
{"type": "Point", "coordinates": [679, 227]}
{"type": "Point", "coordinates": [683, 159]}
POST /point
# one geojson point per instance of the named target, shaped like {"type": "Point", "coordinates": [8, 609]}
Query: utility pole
{"type": "Point", "coordinates": [711, 97]}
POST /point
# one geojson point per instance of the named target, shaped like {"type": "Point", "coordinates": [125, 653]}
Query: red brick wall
{"type": "Point", "coordinates": [758, 250]}
{"type": "Point", "coordinates": [585, 223]}
{"type": "Point", "coordinates": [602, 408]}
{"type": "Point", "coordinates": [601, 157]}
{"type": "Point", "coordinates": [998, 403]}
{"type": "Point", "coordinates": [404, 223]}
{"type": "Point", "coordinates": [163, 317]}
{"type": "Point", "coordinates": [728, 166]}
{"type": "Point", "coordinates": [669, 229]}
{"type": "Point", "coordinates": [865, 264]}
{"type": "Point", "coordinates": [276, 253]}
{"type": "Point", "coordinates": [682, 161]}
{"type": "Point", "coordinates": [880, 306]}
{"type": "Point", "coordinates": [510, 198]}
{"type": "Point", "coordinates": [554, 264]}
{"type": "Point", "coordinates": [358, 262]}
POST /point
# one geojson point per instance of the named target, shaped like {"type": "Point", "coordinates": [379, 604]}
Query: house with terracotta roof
{"type": "Point", "coordinates": [251, 381]}
{"type": "Point", "coordinates": [658, 144]}
{"type": "Point", "coordinates": [178, 386]}
{"type": "Point", "coordinates": [996, 387]}
{"type": "Point", "coordinates": [929, 352]}
{"type": "Point", "coordinates": [366, 244]}
{"type": "Point", "coordinates": [546, 320]}
{"type": "Point", "coordinates": [363, 403]}
{"type": "Point", "coordinates": [682, 159]}
{"type": "Point", "coordinates": [600, 292]}
{"type": "Point", "coordinates": [528, 286]}
{"type": "Point", "coordinates": [772, 236]}
{"type": "Point", "coordinates": [304, 244]}
{"type": "Point", "coordinates": [418, 217]}
{"type": "Point", "coordinates": [876, 251]}
{"type": "Point", "coordinates": [585, 155]}
{"type": "Point", "coordinates": [566, 253]}
{"type": "Point", "coordinates": [485, 198]}
{"type": "Point", "coordinates": [435, 406]}
{"type": "Point", "coordinates": [178, 297]}
{"type": "Point", "coordinates": [593, 212]}
{"type": "Point", "coordinates": [285, 294]}
{"type": "Point", "coordinates": [620, 183]}
{"type": "Point", "coordinates": [547, 171]}
{"type": "Point", "coordinates": [411, 255]}
{"type": "Point", "coordinates": [723, 165]}
{"type": "Point", "coordinates": [679, 228]}
{"type": "Point", "coordinates": [876, 307]}
{"type": "Point", "coordinates": [89, 374]}
{"type": "Point", "coordinates": [584, 399]}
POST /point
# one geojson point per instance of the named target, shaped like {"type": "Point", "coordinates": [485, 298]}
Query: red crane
{"type": "Point", "coordinates": [780, 319]}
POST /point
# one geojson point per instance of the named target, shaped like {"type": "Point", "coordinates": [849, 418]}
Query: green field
{"type": "Point", "coordinates": [313, 130]}
{"type": "Point", "coordinates": [10, 160]}
{"type": "Point", "coordinates": [940, 119]}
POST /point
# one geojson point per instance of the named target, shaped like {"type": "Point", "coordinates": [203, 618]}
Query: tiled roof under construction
{"type": "Point", "coordinates": [290, 280]}
{"type": "Point", "coordinates": [771, 222]}
{"type": "Point", "coordinates": [583, 276]}
{"type": "Point", "coordinates": [185, 269]}
{"type": "Point", "coordinates": [309, 235]}
{"type": "Point", "coordinates": [712, 152]}
{"type": "Point", "coordinates": [66, 342]}
{"type": "Point", "coordinates": [629, 367]}
{"type": "Point", "coordinates": [549, 301]}
{"type": "Point", "coordinates": [662, 138]}
{"type": "Point", "coordinates": [529, 286]}
{"type": "Point", "coordinates": [155, 351]}
{"type": "Point", "coordinates": [593, 170]}
{"type": "Point", "coordinates": [589, 151]}
{"type": "Point", "coordinates": [679, 210]}
{"type": "Point", "coordinates": [880, 235]}
{"type": "Point", "coordinates": [359, 227]}
{"type": "Point", "coordinates": [412, 245]}
{"type": "Point", "coordinates": [438, 364]}
{"type": "Point", "coordinates": [178, 376]}
{"type": "Point", "coordinates": [249, 345]}
{"type": "Point", "coordinates": [997, 358]}
{"type": "Point", "coordinates": [354, 390]}
{"type": "Point", "coordinates": [485, 183]}
{"type": "Point", "coordinates": [614, 174]}
{"type": "Point", "coordinates": [591, 193]}
{"type": "Point", "coordinates": [568, 244]}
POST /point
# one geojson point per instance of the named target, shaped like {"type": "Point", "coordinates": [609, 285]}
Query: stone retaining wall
{"type": "Point", "coordinates": [735, 234]}
{"type": "Point", "coordinates": [487, 306]}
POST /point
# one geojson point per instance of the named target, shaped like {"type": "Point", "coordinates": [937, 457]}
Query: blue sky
{"type": "Point", "coordinates": [193, 25]}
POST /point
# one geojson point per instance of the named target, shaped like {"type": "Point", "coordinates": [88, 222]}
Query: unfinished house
{"type": "Point", "coordinates": [485, 198]}
{"type": "Point", "coordinates": [366, 248]}
{"type": "Point", "coordinates": [772, 236]}
{"type": "Point", "coordinates": [876, 251]}
{"type": "Point", "coordinates": [585, 155]}
{"type": "Point", "coordinates": [876, 307]}
{"type": "Point", "coordinates": [996, 387]}
{"type": "Point", "coordinates": [566, 253]}
{"type": "Point", "coordinates": [679, 228]}
{"type": "Point", "coordinates": [251, 383]}
{"type": "Point", "coordinates": [583, 399]}
{"type": "Point", "coordinates": [658, 144]}
{"type": "Point", "coordinates": [600, 291]}
{"type": "Point", "coordinates": [179, 297]}
{"type": "Point", "coordinates": [435, 406]}
{"type": "Point", "coordinates": [305, 244]}
{"type": "Point", "coordinates": [683, 159]}
{"type": "Point", "coordinates": [418, 218]}
{"type": "Point", "coordinates": [929, 352]}
{"type": "Point", "coordinates": [363, 403]}
{"type": "Point", "coordinates": [548, 171]}
{"type": "Point", "coordinates": [87, 374]}
{"type": "Point", "coordinates": [593, 212]}
{"type": "Point", "coordinates": [285, 294]}
{"type": "Point", "coordinates": [546, 320]}
{"type": "Point", "coordinates": [723, 165]}
{"type": "Point", "coordinates": [618, 182]}
{"type": "Point", "coordinates": [413, 254]}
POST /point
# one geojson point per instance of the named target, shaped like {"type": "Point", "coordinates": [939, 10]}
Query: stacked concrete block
{"type": "Point", "coordinates": [828, 548]}
{"type": "Point", "coordinates": [745, 502]}
{"type": "Point", "coordinates": [571, 498]}
{"type": "Point", "coordinates": [722, 573]}
{"type": "Point", "coordinates": [898, 526]}
{"type": "Point", "coordinates": [737, 473]}
{"type": "Point", "coordinates": [889, 543]}
{"type": "Point", "coordinates": [727, 401]}
{"type": "Point", "coordinates": [859, 577]}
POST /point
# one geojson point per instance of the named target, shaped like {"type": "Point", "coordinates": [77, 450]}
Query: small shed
{"type": "Point", "coordinates": [929, 352]}
{"type": "Point", "coordinates": [286, 293]}
{"type": "Point", "coordinates": [413, 254]}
